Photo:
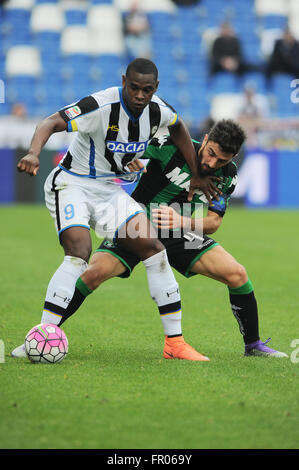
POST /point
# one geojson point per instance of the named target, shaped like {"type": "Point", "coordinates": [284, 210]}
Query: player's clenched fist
{"type": "Point", "coordinates": [29, 164]}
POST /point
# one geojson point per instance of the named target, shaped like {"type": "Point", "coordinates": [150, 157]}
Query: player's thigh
{"type": "Point", "coordinates": [109, 264]}
{"type": "Point", "coordinates": [113, 208]}
{"type": "Point", "coordinates": [118, 217]}
{"type": "Point", "coordinates": [139, 236]}
{"type": "Point", "coordinates": [220, 265]}
{"type": "Point", "coordinates": [76, 241]}
{"type": "Point", "coordinates": [102, 266]}
{"type": "Point", "coordinates": [126, 257]}
{"type": "Point", "coordinates": [67, 201]}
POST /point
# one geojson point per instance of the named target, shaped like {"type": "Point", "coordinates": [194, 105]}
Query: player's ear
{"type": "Point", "coordinates": [157, 84]}
{"type": "Point", "coordinates": [204, 141]}
{"type": "Point", "coordinates": [123, 80]}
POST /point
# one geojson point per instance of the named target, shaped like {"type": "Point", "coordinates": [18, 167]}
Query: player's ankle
{"type": "Point", "coordinates": [174, 338]}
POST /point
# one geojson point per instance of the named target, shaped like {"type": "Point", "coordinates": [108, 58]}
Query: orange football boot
{"type": "Point", "coordinates": [176, 348]}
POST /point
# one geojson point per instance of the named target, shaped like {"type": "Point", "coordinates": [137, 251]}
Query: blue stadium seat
{"type": "Point", "coordinates": [73, 17]}
{"type": "Point", "coordinates": [47, 41]}
{"type": "Point", "coordinates": [79, 62]}
{"type": "Point", "coordinates": [97, 2]}
{"type": "Point", "coordinates": [2, 64]}
{"type": "Point", "coordinates": [273, 21]}
{"type": "Point", "coordinates": [21, 89]}
{"type": "Point", "coordinates": [110, 67]}
{"type": "Point", "coordinates": [4, 108]}
{"type": "Point", "coordinates": [251, 49]}
{"type": "Point", "coordinates": [224, 83]}
{"type": "Point", "coordinates": [257, 79]}
{"type": "Point", "coordinates": [20, 39]}
{"type": "Point", "coordinates": [18, 16]}
{"type": "Point", "coordinates": [281, 82]}
{"type": "Point", "coordinates": [160, 20]}
{"type": "Point", "coordinates": [46, 1]}
{"type": "Point", "coordinates": [75, 68]}
{"type": "Point", "coordinates": [15, 27]}
{"type": "Point", "coordinates": [48, 94]}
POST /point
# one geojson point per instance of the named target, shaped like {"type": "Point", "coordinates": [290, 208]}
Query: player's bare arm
{"type": "Point", "coordinates": [47, 127]}
{"type": "Point", "coordinates": [166, 217]}
{"type": "Point", "coordinates": [182, 139]}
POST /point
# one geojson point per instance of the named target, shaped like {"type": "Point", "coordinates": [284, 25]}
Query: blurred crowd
{"type": "Point", "coordinates": [225, 55]}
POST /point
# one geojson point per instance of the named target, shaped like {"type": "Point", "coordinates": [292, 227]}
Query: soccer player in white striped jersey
{"type": "Point", "coordinates": [113, 128]}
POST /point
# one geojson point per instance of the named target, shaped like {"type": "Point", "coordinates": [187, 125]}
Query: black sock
{"type": "Point", "coordinates": [244, 308]}
{"type": "Point", "coordinates": [80, 294]}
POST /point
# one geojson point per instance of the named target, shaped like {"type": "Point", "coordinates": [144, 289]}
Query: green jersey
{"type": "Point", "coordinates": [168, 176]}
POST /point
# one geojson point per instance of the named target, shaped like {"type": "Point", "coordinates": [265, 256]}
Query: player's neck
{"type": "Point", "coordinates": [135, 114]}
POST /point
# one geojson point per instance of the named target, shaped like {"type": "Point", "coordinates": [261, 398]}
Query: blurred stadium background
{"type": "Point", "coordinates": [54, 52]}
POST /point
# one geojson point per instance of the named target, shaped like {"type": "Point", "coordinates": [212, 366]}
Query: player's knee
{"type": "Point", "coordinates": [78, 251]}
{"type": "Point", "coordinates": [152, 247]}
{"type": "Point", "coordinates": [237, 276]}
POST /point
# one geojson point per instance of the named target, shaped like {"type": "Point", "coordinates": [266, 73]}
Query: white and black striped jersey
{"type": "Point", "coordinates": [108, 136]}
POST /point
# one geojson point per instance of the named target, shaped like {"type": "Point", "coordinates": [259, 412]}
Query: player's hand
{"type": "Point", "coordinates": [206, 185]}
{"type": "Point", "coordinates": [166, 217]}
{"type": "Point", "coordinates": [137, 165]}
{"type": "Point", "coordinates": [29, 164]}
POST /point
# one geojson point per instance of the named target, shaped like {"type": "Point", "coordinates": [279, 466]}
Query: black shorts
{"type": "Point", "coordinates": [182, 252]}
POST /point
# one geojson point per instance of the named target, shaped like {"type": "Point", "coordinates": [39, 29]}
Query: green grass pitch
{"type": "Point", "coordinates": [114, 390]}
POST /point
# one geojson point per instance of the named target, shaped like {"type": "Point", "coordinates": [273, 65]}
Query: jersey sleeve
{"type": "Point", "coordinates": [169, 116]}
{"type": "Point", "coordinates": [80, 116]}
{"type": "Point", "coordinates": [220, 206]}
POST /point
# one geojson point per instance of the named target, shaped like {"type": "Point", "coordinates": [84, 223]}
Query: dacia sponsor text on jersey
{"type": "Point", "coordinates": [123, 147]}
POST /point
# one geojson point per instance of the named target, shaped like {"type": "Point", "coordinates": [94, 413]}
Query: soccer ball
{"type": "Point", "coordinates": [46, 343]}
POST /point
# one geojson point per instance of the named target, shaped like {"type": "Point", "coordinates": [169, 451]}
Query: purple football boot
{"type": "Point", "coordinates": [258, 348]}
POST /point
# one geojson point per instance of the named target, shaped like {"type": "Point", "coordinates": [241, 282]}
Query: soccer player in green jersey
{"type": "Point", "coordinates": [163, 189]}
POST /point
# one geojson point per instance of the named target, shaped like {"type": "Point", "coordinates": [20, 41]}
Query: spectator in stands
{"type": "Point", "coordinates": [251, 109]}
{"type": "Point", "coordinates": [19, 110]}
{"type": "Point", "coordinates": [226, 53]}
{"type": "Point", "coordinates": [251, 104]}
{"type": "Point", "coordinates": [137, 33]}
{"type": "Point", "coordinates": [285, 56]}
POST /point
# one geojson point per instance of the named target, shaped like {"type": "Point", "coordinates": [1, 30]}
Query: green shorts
{"type": "Point", "coordinates": [182, 252]}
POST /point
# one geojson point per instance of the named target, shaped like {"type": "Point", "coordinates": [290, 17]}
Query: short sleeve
{"type": "Point", "coordinates": [219, 206]}
{"type": "Point", "coordinates": [169, 116]}
{"type": "Point", "coordinates": [80, 116]}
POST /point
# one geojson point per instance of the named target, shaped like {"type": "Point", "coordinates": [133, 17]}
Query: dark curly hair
{"type": "Point", "coordinates": [144, 66]}
{"type": "Point", "coordinates": [228, 135]}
